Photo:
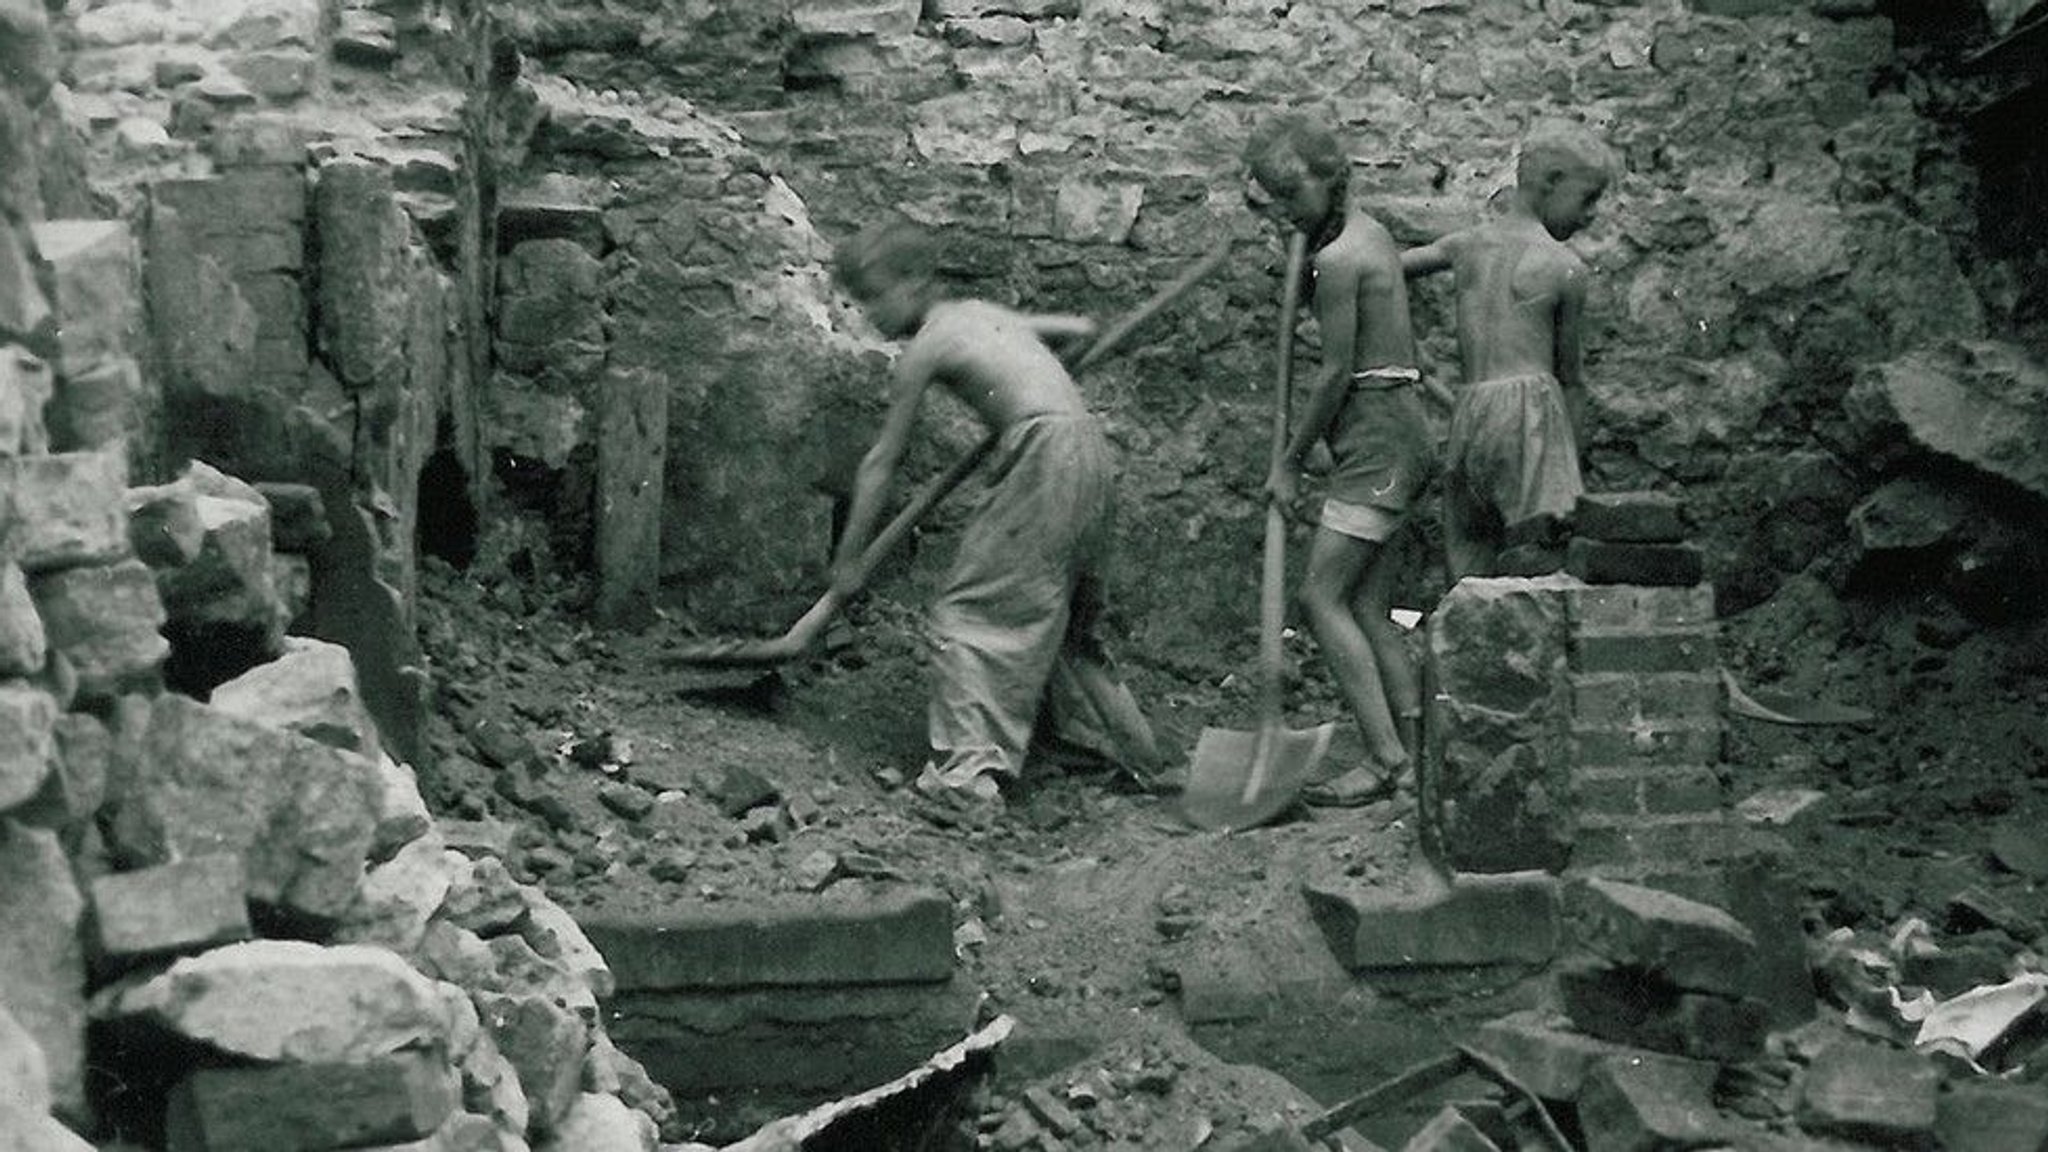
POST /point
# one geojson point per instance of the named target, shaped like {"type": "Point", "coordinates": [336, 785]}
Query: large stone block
{"type": "Point", "coordinates": [42, 964]}
{"type": "Point", "coordinates": [97, 270]}
{"type": "Point", "coordinates": [183, 906]}
{"type": "Point", "coordinates": [311, 689]}
{"type": "Point", "coordinates": [850, 934]}
{"type": "Point", "coordinates": [28, 742]}
{"type": "Point", "coordinates": [105, 622]}
{"type": "Point", "coordinates": [312, 1106]}
{"type": "Point", "coordinates": [229, 582]}
{"type": "Point", "coordinates": [362, 306]}
{"type": "Point", "coordinates": [632, 441]}
{"type": "Point", "coordinates": [1500, 725]}
{"type": "Point", "coordinates": [1472, 919]}
{"type": "Point", "coordinates": [25, 390]}
{"type": "Point", "coordinates": [399, 896]}
{"type": "Point", "coordinates": [1543, 1054]}
{"type": "Point", "coordinates": [288, 1000]}
{"type": "Point", "coordinates": [69, 509]}
{"type": "Point", "coordinates": [24, 310]}
{"type": "Point", "coordinates": [23, 643]}
{"type": "Point", "coordinates": [301, 814]}
{"type": "Point", "coordinates": [1631, 517]}
{"type": "Point", "coordinates": [1653, 565]}
{"type": "Point", "coordinates": [1635, 1008]}
{"type": "Point", "coordinates": [103, 403]}
{"type": "Point", "coordinates": [163, 523]}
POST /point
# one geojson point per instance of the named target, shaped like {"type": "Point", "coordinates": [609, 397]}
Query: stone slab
{"type": "Point", "coordinates": [105, 622]}
{"type": "Point", "coordinates": [849, 935]}
{"type": "Point", "coordinates": [1474, 919]}
{"type": "Point", "coordinates": [183, 906]}
{"type": "Point", "coordinates": [310, 1107]}
{"type": "Point", "coordinates": [1633, 1008]}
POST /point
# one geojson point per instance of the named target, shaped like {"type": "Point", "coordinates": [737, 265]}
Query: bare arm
{"type": "Point", "coordinates": [1337, 315]}
{"type": "Point", "coordinates": [1060, 328]}
{"type": "Point", "coordinates": [1568, 347]}
{"type": "Point", "coordinates": [914, 373]}
{"type": "Point", "coordinates": [1427, 259]}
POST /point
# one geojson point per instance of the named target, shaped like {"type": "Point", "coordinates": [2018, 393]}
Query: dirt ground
{"type": "Point", "coordinates": [1090, 912]}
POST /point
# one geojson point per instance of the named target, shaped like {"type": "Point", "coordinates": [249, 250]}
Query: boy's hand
{"type": "Point", "coordinates": [1283, 486]}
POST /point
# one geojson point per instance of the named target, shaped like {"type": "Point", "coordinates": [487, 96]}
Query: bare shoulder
{"type": "Point", "coordinates": [1364, 249]}
{"type": "Point", "coordinates": [1561, 266]}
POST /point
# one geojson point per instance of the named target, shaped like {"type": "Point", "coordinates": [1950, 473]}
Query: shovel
{"type": "Point", "coordinates": [1243, 779]}
{"type": "Point", "coordinates": [803, 635]}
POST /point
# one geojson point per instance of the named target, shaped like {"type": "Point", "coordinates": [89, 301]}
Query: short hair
{"type": "Point", "coordinates": [1560, 146]}
{"type": "Point", "coordinates": [1287, 150]}
{"type": "Point", "coordinates": [883, 253]}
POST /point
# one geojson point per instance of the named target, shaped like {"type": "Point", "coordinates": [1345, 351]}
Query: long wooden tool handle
{"type": "Point", "coordinates": [1273, 571]}
{"type": "Point", "coordinates": [1112, 338]}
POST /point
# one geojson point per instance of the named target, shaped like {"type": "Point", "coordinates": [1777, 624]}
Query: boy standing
{"type": "Point", "coordinates": [1017, 614]}
{"type": "Point", "coordinates": [1366, 405]}
{"type": "Point", "coordinates": [1512, 466]}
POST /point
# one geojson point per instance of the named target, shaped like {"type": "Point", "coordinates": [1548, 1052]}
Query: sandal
{"type": "Point", "coordinates": [1355, 788]}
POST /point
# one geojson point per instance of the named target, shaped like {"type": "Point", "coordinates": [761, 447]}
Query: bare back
{"type": "Point", "coordinates": [993, 360]}
{"type": "Point", "coordinates": [1513, 279]}
{"type": "Point", "coordinates": [1384, 334]}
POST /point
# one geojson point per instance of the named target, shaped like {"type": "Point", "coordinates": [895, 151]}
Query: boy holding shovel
{"type": "Point", "coordinates": [1015, 620]}
{"type": "Point", "coordinates": [1366, 404]}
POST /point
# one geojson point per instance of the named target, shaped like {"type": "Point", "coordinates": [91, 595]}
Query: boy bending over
{"type": "Point", "coordinates": [1015, 620]}
{"type": "Point", "coordinates": [1366, 405]}
{"type": "Point", "coordinates": [1512, 462]}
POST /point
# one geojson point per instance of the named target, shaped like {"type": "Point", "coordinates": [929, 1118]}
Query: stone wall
{"type": "Point", "coordinates": [1788, 213]}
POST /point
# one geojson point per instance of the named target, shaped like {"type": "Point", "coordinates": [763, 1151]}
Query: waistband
{"type": "Point", "coordinates": [1379, 379]}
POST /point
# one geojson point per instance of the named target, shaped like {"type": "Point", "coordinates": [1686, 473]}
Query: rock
{"type": "Point", "coordinates": [363, 291]}
{"type": "Point", "coordinates": [163, 524]}
{"type": "Point", "coordinates": [366, 39]}
{"type": "Point", "coordinates": [24, 1077]}
{"type": "Point", "coordinates": [184, 906]}
{"type": "Point", "coordinates": [23, 645]}
{"type": "Point", "coordinates": [311, 690]}
{"type": "Point", "coordinates": [816, 870]}
{"type": "Point", "coordinates": [551, 318]}
{"type": "Point", "coordinates": [558, 937]}
{"type": "Point", "coordinates": [1979, 402]}
{"type": "Point", "coordinates": [628, 800]}
{"type": "Point", "coordinates": [301, 813]}
{"type": "Point", "coordinates": [25, 390]}
{"type": "Point", "coordinates": [228, 588]}
{"type": "Point", "coordinates": [1500, 756]}
{"type": "Point", "coordinates": [104, 622]}
{"type": "Point", "coordinates": [401, 813]}
{"type": "Point", "coordinates": [484, 898]}
{"type": "Point", "coordinates": [28, 745]}
{"type": "Point", "coordinates": [545, 1043]}
{"type": "Point", "coordinates": [42, 966]}
{"type": "Point", "coordinates": [1638, 1101]}
{"type": "Point", "coordinates": [1690, 945]}
{"type": "Point", "coordinates": [104, 403]}
{"type": "Point", "coordinates": [399, 896]}
{"type": "Point", "coordinates": [1450, 1131]}
{"type": "Point", "coordinates": [1975, 1115]}
{"type": "Point", "coordinates": [28, 52]}
{"type": "Point", "coordinates": [1543, 1054]}
{"type": "Point", "coordinates": [298, 517]}
{"type": "Point", "coordinates": [597, 1123]}
{"type": "Point", "coordinates": [288, 1000]}
{"type": "Point", "coordinates": [1635, 1008]}
{"type": "Point", "coordinates": [69, 509]}
{"type": "Point", "coordinates": [97, 272]}
{"type": "Point", "coordinates": [1864, 1091]}
{"type": "Point", "coordinates": [737, 789]}
{"type": "Point", "coordinates": [72, 794]}
{"type": "Point", "coordinates": [313, 1105]}
{"type": "Point", "coordinates": [1908, 513]}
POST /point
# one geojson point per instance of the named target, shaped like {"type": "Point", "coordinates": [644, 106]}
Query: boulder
{"type": "Point", "coordinates": [96, 270]}
{"type": "Point", "coordinates": [23, 644]}
{"type": "Point", "coordinates": [289, 1000]}
{"type": "Point", "coordinates": [598, 1123]}
{"type": "Point", "coordinates": [399, 896]}
{"type": "Point", "coordinates": [310, 689]}
{"type": "Point", "coordinates": [382, 1101]}
{"type": "Point", "coordinates": [163, 523]}
{"type": "Point", "coordinates": [1909, 513]}
{"type": "Point", "coordinates": [302, 814]}
{"type": "Point", "coordinates": [545, 1043]}
{"type": "Point", "coordinates": [69, 509]}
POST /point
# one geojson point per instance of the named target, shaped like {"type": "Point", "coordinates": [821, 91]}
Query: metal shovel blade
{"type": "Point", "coordinates": [1224, 762]}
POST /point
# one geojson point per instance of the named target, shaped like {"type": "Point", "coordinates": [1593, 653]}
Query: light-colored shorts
{"type": "Point", "coordinates": [1361, 521]}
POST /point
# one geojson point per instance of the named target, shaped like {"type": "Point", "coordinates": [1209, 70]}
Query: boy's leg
{"type": "Point", "coordinates": [1087, 707]}
{"type": "Point", "coordinates": [1372, 606]}
{"type": "Point", "coordinates": [1336, 564]}
{"type": "Point", "coordinates": [1471, 537]}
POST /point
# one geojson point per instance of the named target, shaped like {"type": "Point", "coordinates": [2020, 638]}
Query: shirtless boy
{"type": "Point", "coordinates": [1511, 472]}
{"type": "Point", "coordinates": [1366, 404]}
{"type": "Point", "coordinates": [1018, 610]}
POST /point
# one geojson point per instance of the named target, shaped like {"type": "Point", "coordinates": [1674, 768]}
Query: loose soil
{"type": "Point", "coordinates": [1098, 919]}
